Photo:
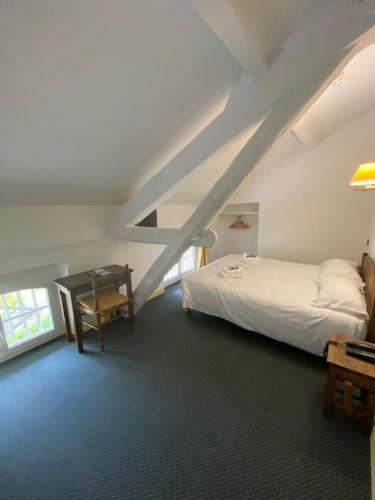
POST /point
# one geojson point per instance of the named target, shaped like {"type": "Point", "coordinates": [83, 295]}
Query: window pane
{"type": "Point", "coordinates": [46, 319]}
{"type": "Point", "coordinates": [3, 312]}
{"type": "Point", "coordinates": [25, 314]}
{"type": "Point", "coordinates": [8, 333]}
{"type": "Point", "coordinates": [14, 306]}
{"type": "Point", "coordinates": [41, 297]}
{"type": "Point", "coordinates": [19, 330]}
{"type": "Point", "coordinates": [32, 324]}
{"type": "Point", "coordinates": [187, 261]}
{"type": "Point", "coordinates": [186, 264]}
{"type": "Point", "coordinates": [173, 273]}
{"type": "Point", "coordinates": [27, 299]}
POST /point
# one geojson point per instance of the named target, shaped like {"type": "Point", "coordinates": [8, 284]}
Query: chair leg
{"type": "Point", "coordinates": [99, 328]}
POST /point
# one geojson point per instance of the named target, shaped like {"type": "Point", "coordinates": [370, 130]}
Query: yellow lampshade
{"type": "Point", "coordinates": [364, 177]}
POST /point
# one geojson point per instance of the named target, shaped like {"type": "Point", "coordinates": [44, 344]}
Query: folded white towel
{"type": "Point", "coordinates": [250, 259]}
{"type": "Point", "coordinates": [233, 268]}
{"type": "Point", "coordinates": [232, 271]}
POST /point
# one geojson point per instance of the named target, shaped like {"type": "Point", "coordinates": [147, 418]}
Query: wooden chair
{"type": "Point", "coordinates": [106, 302]}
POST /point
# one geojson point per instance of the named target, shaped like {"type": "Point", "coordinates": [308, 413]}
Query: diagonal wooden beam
{"type": "Point", "coordinates": [277, 123]}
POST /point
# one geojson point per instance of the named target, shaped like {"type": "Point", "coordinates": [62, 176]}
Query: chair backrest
{"type": "Point", "coordinates": [114, 280]}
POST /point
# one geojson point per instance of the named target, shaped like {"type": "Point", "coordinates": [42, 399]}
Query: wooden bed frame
{"type": "Point", "coordinates": [367, 272]}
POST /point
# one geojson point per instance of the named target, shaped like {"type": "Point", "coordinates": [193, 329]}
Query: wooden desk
{"type": "Point", "coordinates": [71, 286]}
{"type": "Point", "coordinates": [352, 372]}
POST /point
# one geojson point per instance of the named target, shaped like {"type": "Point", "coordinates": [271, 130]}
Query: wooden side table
{"type": "Point", "coordinates": [353, 373]}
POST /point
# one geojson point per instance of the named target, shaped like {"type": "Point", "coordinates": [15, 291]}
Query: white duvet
{"type": "Point", "coordinates": [273, 298]}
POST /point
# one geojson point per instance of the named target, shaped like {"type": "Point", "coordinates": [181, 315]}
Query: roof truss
{"type": "Point", "coordinates": [312, 58]}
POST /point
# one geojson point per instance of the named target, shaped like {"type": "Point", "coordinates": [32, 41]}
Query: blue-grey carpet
{"type": "Point", "coordinates": [185, 407]}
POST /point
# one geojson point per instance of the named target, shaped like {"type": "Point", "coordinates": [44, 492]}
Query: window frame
{"type": "Point", "coordinates": [26, 279]}
{"type": "Point", "coordinates": [25, 314]}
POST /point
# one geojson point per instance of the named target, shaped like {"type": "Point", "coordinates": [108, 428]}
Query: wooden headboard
{"type": "Point", "coordinates": [368, 275]}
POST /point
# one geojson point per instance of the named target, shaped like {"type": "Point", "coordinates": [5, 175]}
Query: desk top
{"type": "Point", "coordinates": [82, 281]}
{"type": "Point", "coordinates": [338, 357]}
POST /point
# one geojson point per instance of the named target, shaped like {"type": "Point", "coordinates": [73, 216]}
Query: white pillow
{"type": "Point", "coordinates": [343, 268]}
{"type": "Point", "coordinates": [341, 294]}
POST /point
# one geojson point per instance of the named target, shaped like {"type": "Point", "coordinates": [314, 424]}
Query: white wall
{"type": "Point", "coordinates": [37, 236]}
{"type": "Point", "coordinates": [307, 211]}
{"type": "Point", "coordinates": [371, 248]}
{"type": "Point", "coordinates": [170, 215]}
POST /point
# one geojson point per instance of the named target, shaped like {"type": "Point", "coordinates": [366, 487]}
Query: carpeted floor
{"type": "Point", "coordinates": [185, 407]}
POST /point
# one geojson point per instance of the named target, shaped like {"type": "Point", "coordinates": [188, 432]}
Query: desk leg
{"type": "Point", "coordinates": [77, 323]}
{"type": "Point", "coordinates": [64, 307]}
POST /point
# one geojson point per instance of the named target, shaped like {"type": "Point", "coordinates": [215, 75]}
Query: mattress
{"type": "Point", "coordinates": [273, 298]}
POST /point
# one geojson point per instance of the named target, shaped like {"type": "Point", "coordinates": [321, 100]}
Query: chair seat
{"type": "Point", "coordinates": [107, 301]}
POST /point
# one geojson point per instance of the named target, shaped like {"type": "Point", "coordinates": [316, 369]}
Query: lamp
{"type": "Point", "coordinates": [364, 177]}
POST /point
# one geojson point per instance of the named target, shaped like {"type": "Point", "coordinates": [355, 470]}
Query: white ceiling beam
{"type": "Point", "coordinates": [222, 20]}
{"type": "Point", "coordinates": [277, 123]}
{"type": "Point", "coordinates": [165, 236]}
{"type": "Point", "coordinates": [304, 52]}
{"type": "Point", "coordinates": [162, 185]}
{"type": "Point", "coordinates": [306, 134]}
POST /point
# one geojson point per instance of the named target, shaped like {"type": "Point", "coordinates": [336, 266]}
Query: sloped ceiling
{"type": "Point", "coordinates": [269, 23]}
{"type": "Point", "coordinates": [94, 92]}
{"type": "Point", "coordinates": [348, 98]}
{"type": "Point", "coordinates": [95, 96]}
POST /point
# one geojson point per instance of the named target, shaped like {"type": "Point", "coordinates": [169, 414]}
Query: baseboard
{"type": "Point", "coordinates": [156, 293]}
{"type": "Point", "coordinates": [33, 344]}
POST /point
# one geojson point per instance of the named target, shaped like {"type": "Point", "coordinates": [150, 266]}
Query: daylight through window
{"type": "Point", "coordinates": [25, 314]}
{"type": "Point", "coordinates": [186, 264]}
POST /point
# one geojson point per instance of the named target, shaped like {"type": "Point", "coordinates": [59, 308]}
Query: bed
{"type": "Point", "coordinates": [274, 299]}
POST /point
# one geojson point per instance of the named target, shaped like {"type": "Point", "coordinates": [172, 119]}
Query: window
{"type": "Point", "coordinates": [25, 314]}
{"type": "Point", "coordinates": [186, 264]}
